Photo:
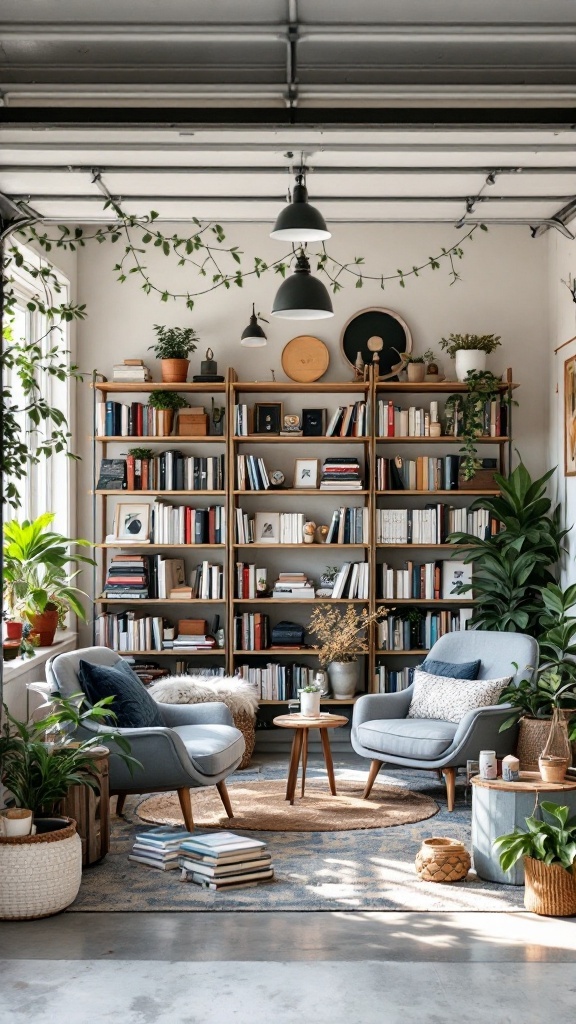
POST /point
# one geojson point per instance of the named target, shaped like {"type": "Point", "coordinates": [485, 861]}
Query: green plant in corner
{"type": "Point", "coordinates": [165, 400]}
{"type": "Point", "coordinates": [512, 567]}
{"type": "Point", "coordinates": [551, 840]}
{"type": "Point", "coordinates": [174, 342]}
{"type": "Point", "coordinates": [467, 412]}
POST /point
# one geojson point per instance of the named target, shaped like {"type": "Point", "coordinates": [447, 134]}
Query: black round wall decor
{"type": "Point", "coordinates": [376, 322]}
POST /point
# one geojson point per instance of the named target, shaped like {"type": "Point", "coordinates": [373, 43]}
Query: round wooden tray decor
{"type": "Point", "coordinates": [376, 322]}
{"type": "Point", "coordinates": [305, 359]}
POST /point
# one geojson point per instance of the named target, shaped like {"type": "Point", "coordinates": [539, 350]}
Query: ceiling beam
{"type": "Point", "coordinates": [239, 169]}
{"type": "Point", "coordinates": [48, 197]}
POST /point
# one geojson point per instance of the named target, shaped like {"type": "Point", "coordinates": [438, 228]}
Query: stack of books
{"type": "Point", "coordinates": [132, 371]}
{"type": "Point", "coordinates": [159, 847]}
{"type": "Point", "coordinates": [224, 861]}
{"type": "Point", "coordinates": [186, 642]}
{"type": "Point", "coordinates": [295, 585]}
{"type": "Point", "coordinates": [127, 577]}
{"type": "Point", "coordinates": [341, 474]}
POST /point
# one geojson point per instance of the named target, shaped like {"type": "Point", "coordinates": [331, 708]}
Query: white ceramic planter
{"type": "Point", "coordinates": [310, 704]}
{"type": "Point", "coordinates": [343, 678]}
{"type": "Point", "coordinates": [469, 359]}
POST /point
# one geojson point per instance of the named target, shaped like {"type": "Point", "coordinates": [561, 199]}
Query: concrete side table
{"type": "Point", "coordinates": [498, 807]}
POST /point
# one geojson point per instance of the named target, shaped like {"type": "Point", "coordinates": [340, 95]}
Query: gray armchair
{"type": "Point", "coordinates": [197, 746]}
{"type": "Point", "coordinates": [382, 732]}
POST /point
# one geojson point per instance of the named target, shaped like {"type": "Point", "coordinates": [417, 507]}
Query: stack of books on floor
{"type": "Point", "coordinates": [159, 847]}
{"type": "Point", "coordinates": [341, 474]}
{"type": "Point", "coordinates": [293, 585]}
{"type": "Point", "coordinates": [224, 861]}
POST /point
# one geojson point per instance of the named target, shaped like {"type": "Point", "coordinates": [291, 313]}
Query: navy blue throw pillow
{"type": "Point", "coordinates": [464, 670]}
{"type": "Point", "coordinates": [133, 706]}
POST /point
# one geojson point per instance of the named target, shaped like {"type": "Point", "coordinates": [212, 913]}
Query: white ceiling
{"type": "Point", "coordinates": [62, 59]}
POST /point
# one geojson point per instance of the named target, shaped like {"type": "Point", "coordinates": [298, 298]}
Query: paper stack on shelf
{"type": "Point", "coordinates": [224, 861]}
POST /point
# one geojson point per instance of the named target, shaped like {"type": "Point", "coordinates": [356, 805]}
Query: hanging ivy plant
{"type": "Point", "coordinates": [467, 410]}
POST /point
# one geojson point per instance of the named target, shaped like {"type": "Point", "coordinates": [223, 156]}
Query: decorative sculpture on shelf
{"type": "Point", "coordinates": [208, 370]}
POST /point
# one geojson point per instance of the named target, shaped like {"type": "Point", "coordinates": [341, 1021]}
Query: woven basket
{"type": "Point", "coordinates": [246, 723]}
{"type": "Point", "coordinates": [39, 875]}
{"type": "Point", "coordinates": [532, 737]}
{"type": "Point", "coordinates": [442, 860]}
{"type": "Point", "coordinates": [550, 889]}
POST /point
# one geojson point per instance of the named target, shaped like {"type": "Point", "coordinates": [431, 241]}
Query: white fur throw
{"type": "Point", "coordinates": [237, 694]}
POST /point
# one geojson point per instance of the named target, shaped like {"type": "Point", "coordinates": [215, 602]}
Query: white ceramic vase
{"type": "Point", "coordinates": [343, 678]}
{"type": "Point", "coordinates": [310, 704]}
{"type": "Point", "coordinates": [469, 359]}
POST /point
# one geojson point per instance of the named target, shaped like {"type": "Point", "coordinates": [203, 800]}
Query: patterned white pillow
{"type": "Point", "coordinates": [449, 699]}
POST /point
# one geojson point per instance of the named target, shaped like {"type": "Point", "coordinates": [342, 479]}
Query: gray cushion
{"type": "Point", "coordinates": [132, 704]}
{"type": "Point", "coordinates": [421, 739]}
{"type": "Point", "coordinates": [213, 749]}
{"type": "Point", "coordinates": [456, 670]}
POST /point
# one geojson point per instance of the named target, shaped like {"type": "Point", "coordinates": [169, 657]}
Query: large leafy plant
{"type": "Point", "coordinates": [36, 569]}
{"type": "Point", "coordinates": [512, 568]}
{"type": "Point", "coordinates": [551, 840]}
{"type": "Point", "coordinates": [39, 761]}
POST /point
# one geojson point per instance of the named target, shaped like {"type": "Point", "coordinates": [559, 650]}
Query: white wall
{"type": "Point", "coordinates": [503, 290]}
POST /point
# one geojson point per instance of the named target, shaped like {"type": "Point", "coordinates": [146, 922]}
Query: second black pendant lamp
{"type": "Point", "coordinates": [301, 296]}
{"type": "Point", "coordinates": [299, 221]}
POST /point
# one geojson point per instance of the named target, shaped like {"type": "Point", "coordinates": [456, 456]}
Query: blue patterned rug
{"type": "Point", "coordinates": [344, 871]}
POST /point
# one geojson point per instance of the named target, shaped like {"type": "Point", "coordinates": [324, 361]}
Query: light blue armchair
{"type": "Point", "coordinates": [382, 732]}
{"type": "Point", "coordinates": [197, 746]}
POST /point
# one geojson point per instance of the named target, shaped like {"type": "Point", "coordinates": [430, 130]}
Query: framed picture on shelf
{"type": "Point", "coordinates": [268, 417]}
{"type": "Point", "coordinates": [132, 522]}
{"type": "Point", "coordinates": [306, 473]}
{"type": "Point", "coordinates": [454, 573]}
{"type": "Point", "coordinates": [314, 422]}
{"type": "Point", "coordinates": [570, 417]}
{"type": "Point", "coordinates": [267, 528]}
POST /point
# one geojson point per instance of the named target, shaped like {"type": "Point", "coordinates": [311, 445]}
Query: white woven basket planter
{"type": "Point", "coordinates": [40, 875]}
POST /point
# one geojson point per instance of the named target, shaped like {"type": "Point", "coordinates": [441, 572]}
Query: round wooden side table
{"type": "Point", "coordinates": [498, 807]}
{"type": "Point", "coordinates": [302, 726]}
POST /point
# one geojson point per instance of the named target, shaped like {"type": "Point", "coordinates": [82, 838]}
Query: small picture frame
{"type": "Point", "coordinates": [267, 528]}
{"type": "Point", "coordinates": [314, 422]}
{"type": "Point", "coordinates": [306, 473]}
{"type": "Point", "coordinates": [268, 417]}
{"type": "Point", "coordinates": [132, 522]}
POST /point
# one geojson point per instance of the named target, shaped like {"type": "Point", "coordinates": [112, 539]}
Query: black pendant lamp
{"type": "Point", "coordinates": [301, 296]}
{"type": "Point", "coordinates": [253, 336]}
{"type": "Point", "coordinates": [299, 221]}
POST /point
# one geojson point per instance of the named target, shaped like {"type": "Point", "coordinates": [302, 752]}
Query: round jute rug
{"type": "Point", "coordinates": [261, 806]}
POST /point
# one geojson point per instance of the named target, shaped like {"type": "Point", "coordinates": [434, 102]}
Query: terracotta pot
{"type": "Point", "coordinates": [442, 860]}
{"type": "Point", "coordinates": [550, 889]}
{"type": "Point", "coordinates": [14, 630]}
{"type": "Point", "coordinates": [175, 371]}
{"type": "Point", "coordinates": [44, 626]}
{"type": "Point", "coordinates": [164, 422]}
{"type": "Point", "coordinates": [10, 650]}
{"type": "Point", "coordinates": [416, 372]}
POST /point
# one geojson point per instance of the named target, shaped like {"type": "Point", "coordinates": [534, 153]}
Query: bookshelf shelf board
{"type": "Point", "coordinates": [457, 602]}
{"type": "Point", "coordinates": [278, 492]}
{"type": "Point", "coordinates": [163, 494]}
{"type": "Point", "coordinates": [304, 547]}
{"type": "Point", "coordinates": [276, 439]}
{"type": "Point", "coordinates": [459, 492]}
{"type": "Point", "coordinates": [384, 652]}
{"type": "Point", "coordinates": [444, 387]}
{"type": "Point", "coordinates": [159, 600]}
{"type": "Point", "coordinates": [122, 386]}
{"type": "Point", "coordinates": [291, 387]}
{"type": "Point", "coordinates": [301, 600]}
{"type": "Point", "coordinates": [323, 700]}
{"type": "Point", "coordinates": [446, 439]}
{"type": "Point", "coordinates": [157, 547]}
{"type": "Point", "coordinates": [185, 652]}
{"type": "Point", "coordinates": [426, 547]}
{"type": "Point", "coordinates": [159, 439]}
{"type": "Point", "coordinates": [273, 652]}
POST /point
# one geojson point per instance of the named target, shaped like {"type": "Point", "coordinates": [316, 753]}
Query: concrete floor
{"type": "Point", "coordinates": [289, 968]}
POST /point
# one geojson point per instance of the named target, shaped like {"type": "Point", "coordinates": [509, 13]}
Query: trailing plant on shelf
{"type": "Point", "coordinates": [470, 342]}
{"type": "Point", "coordinates": [467, 410]}
{"type": "Point", "coordinates": [513, 566]}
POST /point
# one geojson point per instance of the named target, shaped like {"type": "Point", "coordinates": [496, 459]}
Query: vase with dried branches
{"type": "Point", "coordinates": [342, 636]}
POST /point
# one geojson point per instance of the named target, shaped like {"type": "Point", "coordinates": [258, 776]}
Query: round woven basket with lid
{"type": "Point", "coordinates": [40, 875]}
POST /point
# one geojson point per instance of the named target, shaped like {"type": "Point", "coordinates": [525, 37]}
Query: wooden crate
{"type": "Point", "coordinates": [91, 810]}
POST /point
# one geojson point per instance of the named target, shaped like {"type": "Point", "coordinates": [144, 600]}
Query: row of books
{"type": "Point", "coordinates": [399, 632]}
{"type": "Point", "coordinates": [168, 471]}
{"type": "Point", "coordinates": [251, 473]}
{"type": "Point", "coordinates": [432, 524]}
{"type": "Point", "coordinates": [349, 526]}
{"type": "Point", "coordinates": [389, 680]}
{"type": "Point", "coordinates": [345, 421]}
{"type": "Point", "coordinates": [342, 474]}
{"type": "Point", "coordinates": [291, 528]}
{"type": "Point", "coordinates": [348, 421]}
{"type": "Point", "coordinates": [251, 632]}
{"type": "Point", "coordinates": [132, 576]}
{"type": "Point", "coordinates": [395, 421]}
{"type": "Point", "coordinates": [181, 524]}
{"type": "Point", "coordinates": [425, 473]}
{"type": "Point", "coordinates": [427, 581]}
{"type": "Point", "coordinates": [133, 631]}
{"type": "Point", "coordinates": [352, 581]}
{"type": "Point", "coordinates": [119, 419]}
{"type": "Point", "coordinates": [277, 682]}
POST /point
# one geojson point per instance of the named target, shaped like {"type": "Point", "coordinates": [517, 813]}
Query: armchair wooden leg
{"type": "Point", "coordinates": [450, 776]}
{"type": "Point", "coordinates": [186, 806]}
{"type": "Point", "coordinates": [225, 798]}
{"type": "Point", "coordinates": [372, 775]}
{"type": "Point", "coordinates": [120, 801]}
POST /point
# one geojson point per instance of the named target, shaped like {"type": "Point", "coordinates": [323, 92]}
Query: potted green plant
{"type": "Point", "coordinates": [469, 351]}
{"type": "Point", "coordinates": [173, 346]}
{"type": "Point", "coordinates": [548, 849]}
{"type": "Point", "coordinates": [342, 637]}
{"type": "Point", "coordinates": [37, 582]}
{"type": "Point", "coordinates": [166, 403]}
{"type": "Point", "coordinates": [415, 366]}
{"type": "Point", "coordinates": [39, 762]}
{"type": "Point", "coordinates": [310, 700]}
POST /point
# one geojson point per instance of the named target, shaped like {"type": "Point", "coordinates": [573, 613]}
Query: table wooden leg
{"type": "Point", "coordinates": [293, 770]}
{"type": "Point", "coordinates": [304, 757]}
{"type": "Point", "coordinates": [328, 760]}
